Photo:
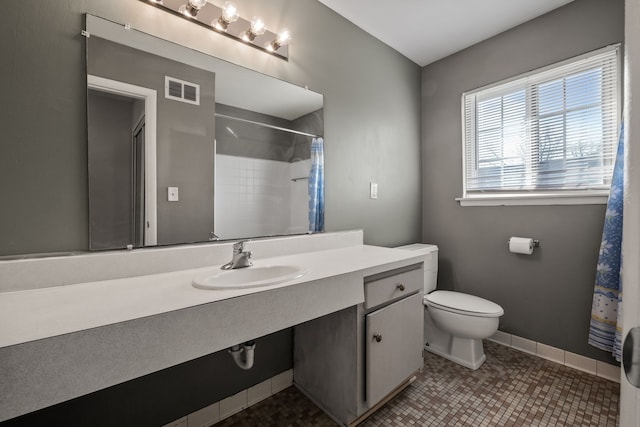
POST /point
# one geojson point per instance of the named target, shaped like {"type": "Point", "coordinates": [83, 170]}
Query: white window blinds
{"type": "Point", "coordinates": [551, 130]}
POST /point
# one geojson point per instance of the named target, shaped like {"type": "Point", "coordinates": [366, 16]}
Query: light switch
{"type": "Point", "coordinates": [172, 194]}
{"type": "Point", "coordinates": [373, 190]}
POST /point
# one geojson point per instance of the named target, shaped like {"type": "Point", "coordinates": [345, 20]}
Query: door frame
{"type": "Point", "coordinates": [136, 167]}
{"type": "Point", "coordinates": [629, 395]}
{"type": "Point", "coordinates": [150, 98]}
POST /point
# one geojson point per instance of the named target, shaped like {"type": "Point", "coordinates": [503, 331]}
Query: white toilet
{"type": "Point", "coordinates": [454, 323]}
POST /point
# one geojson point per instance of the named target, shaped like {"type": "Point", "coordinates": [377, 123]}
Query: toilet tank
{"type": "Point", "coordinates": [430, 253]}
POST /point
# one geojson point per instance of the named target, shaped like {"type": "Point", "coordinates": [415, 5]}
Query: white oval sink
{"type": "Point", "coordinates": [249, 277]}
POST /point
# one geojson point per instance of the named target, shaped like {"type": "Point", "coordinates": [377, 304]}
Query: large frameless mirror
{"type": "Point", "coordinates": [185, 147]}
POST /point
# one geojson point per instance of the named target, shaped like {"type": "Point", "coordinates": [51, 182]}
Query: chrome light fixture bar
{"type": "Point", "coordinates": [226, 20]}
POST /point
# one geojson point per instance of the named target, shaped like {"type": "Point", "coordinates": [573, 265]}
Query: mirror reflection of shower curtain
{"type": "Point", "coordinates": [316, 186]}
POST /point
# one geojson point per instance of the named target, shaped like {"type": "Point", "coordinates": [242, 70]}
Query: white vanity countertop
{"type": "Point", "coordinates": [47, 312]}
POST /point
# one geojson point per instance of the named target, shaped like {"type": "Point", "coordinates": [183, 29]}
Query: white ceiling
{"type": "Point", "coordinates": [427, 30]}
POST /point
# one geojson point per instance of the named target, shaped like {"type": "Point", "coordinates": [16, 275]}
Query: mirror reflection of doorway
{"type": "Point", "coordinates": [122, 164]}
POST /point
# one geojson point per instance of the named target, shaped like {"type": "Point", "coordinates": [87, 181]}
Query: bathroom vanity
{"type": "Point", "coordinates": [350, 361]}
{"type": "Point", "coordinates": [73, 325]}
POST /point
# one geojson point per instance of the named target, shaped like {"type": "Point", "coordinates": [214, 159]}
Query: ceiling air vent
{"type": "Point", "coordinates": [179, 90]}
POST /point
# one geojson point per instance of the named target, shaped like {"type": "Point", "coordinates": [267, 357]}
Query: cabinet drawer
{"type": "Point", "coordinates": [383, 290]}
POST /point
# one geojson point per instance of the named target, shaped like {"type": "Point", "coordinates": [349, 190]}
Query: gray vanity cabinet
{"type": "Point", "coordinates": [350, 361]}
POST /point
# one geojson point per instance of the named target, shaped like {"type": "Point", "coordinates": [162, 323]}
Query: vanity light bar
{"type": "Point", "coordinates": [227, 21]}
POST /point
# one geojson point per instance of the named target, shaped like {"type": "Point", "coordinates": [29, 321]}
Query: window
{"type": "Point", "coordinates": [550, 133]}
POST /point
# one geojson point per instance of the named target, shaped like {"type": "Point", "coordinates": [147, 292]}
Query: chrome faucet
{"type": "Point", "coordinates": [240, 257]}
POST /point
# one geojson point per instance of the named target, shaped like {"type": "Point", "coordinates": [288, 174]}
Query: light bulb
{"type": "Point", "coordinates": [229, 14]}
{"type": "Point", "coordinates": [257, 26]}
{"type": "Point", "coordinates": [192, 7]}
{"type": "Point", "coordinates": [256, 29]}
{"type": "Point", "coordinates": [283, 38]}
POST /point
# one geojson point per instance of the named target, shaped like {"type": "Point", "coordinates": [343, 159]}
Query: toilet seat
{"type": "Point", "coordinates": [458, 302]}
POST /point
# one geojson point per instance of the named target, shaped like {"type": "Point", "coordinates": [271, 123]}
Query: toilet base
{"type": "Point", "coordinates": [467, 352]}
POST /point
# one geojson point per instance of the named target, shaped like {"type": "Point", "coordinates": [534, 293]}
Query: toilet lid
{"type": "Point", "coordinates": [464, 303]}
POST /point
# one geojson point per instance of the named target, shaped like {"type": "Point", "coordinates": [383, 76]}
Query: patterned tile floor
{"type": "Point", "coordinates": [511, 389]}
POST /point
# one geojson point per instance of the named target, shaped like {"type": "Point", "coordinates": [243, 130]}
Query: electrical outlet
{"type": "Point", "coordinates": [373, 190]}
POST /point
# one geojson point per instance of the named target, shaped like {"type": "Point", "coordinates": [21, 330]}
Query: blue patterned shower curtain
{"type": "Point", "coordinates": [606, 311]}
{"type": "Point", "coordinates": [316, 186]}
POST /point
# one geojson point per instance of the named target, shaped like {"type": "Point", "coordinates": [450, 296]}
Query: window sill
{"type": "Point", "coordinates": [540, 199]}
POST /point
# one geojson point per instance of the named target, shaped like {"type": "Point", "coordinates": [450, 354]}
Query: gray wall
{"type": "Point", "coordinates": [185, 136]}
{"type": "Point", "coordinates": [44, 122]}
{"type": "Point", "coordinates": [546, 297]}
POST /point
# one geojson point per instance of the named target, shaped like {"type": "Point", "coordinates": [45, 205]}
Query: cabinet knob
{"type": "Point", "coordinates": [377, 337]}
{"type": "Point", "coordinates": [400, 286]}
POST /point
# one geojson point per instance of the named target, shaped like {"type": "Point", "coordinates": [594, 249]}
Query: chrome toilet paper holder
{"type": "Point", "coordinates": [536, 242]}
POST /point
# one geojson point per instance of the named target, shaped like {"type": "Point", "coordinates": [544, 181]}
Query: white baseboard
{"type": "Point", "coordinates": [557, 355]}
{"type": "Point", "coordinates": [225, 408]}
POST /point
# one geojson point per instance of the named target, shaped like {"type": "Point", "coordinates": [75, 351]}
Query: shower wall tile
{"type": "Point", "coordinates": [300, 196]}
{"type": "Point", "coordinates": [252, 197]}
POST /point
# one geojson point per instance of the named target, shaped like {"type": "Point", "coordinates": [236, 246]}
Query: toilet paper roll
{"type": "Point", "coordinates": [521, 245]}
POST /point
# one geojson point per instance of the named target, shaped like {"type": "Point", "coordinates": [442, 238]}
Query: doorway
{"type": "Point", "coordinates": [135, 225]}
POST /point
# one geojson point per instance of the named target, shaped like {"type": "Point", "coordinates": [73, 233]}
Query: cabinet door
{"type": "Point", "coordinates": [394, 346]}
